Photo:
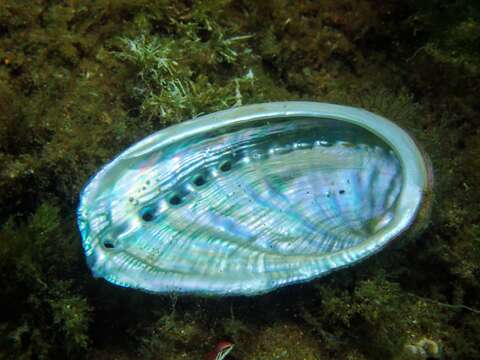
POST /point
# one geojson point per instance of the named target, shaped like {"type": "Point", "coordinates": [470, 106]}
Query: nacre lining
{"type": "Point", "coordinates": [250, 199]}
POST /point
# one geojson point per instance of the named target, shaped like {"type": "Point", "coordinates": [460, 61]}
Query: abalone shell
{"type": "Point", "coordinates": [253, 198]}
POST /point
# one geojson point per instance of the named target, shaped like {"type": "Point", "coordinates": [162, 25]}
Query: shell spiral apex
{"type": "Point", "coordinates": [250, 199]}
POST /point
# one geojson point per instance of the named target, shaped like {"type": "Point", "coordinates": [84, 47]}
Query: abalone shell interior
{"type": "Point", "coordinates": [248, 206]}
{"type": "Point", "coordinates": [293, 187]}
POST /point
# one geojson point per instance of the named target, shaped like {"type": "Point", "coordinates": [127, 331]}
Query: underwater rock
{"type": "Point", "coordinates": [250, 199]}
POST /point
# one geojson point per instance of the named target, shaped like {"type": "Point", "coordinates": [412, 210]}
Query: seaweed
{"type": "Point", "coordinates": [173, 337]}
{"type": "Point", "coordinates": [175, 80]}
{"type": "Point", "coordinates": [49, 315]}
{"type": "Point", "coordinates": [366, 318]}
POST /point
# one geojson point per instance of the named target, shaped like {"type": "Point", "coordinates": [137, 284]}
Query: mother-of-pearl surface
{"type": "Point", "coordinates": [249, 199]}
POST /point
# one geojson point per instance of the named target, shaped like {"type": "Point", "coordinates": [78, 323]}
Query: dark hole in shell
{"type": "Point", "coordinates": [226, 166]}
{"type": "Point", "coordinates": [199, 180]}
{"type": "Point", "coordinates": [175, 200]}
{"type": "Point", "coordinates": [108, 244]}
{"type": "Point", "coordinates": [147, 216]}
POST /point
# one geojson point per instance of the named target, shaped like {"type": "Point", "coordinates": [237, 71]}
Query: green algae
{"type": "Point", "coordinates": [366, 318]}
{"type": "Point", "coordinates": [80, 81]}
{"type": "Point", "coordinates": [42, 305]}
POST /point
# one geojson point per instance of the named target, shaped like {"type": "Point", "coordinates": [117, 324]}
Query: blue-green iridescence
{"type": "Point", "coordinates": [250, 199]}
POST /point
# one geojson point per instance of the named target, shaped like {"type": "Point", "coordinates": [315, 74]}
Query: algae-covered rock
{"type": "Point", "coordinates": [284, 341]}
{"type": "Point", "coordinates": [423, 349]}
{"type": "Point", "coordinates": [71, 96]}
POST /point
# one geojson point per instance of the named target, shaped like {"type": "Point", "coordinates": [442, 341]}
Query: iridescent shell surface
{"type": "Point", "coordinates": [247, 200]}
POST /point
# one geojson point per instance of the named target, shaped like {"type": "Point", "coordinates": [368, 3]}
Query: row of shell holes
{"type": "Point", "coordinates": [198, 181]}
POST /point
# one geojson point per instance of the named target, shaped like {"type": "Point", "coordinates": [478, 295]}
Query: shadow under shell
{"type": "Point", "coordinates": [253, 198]}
